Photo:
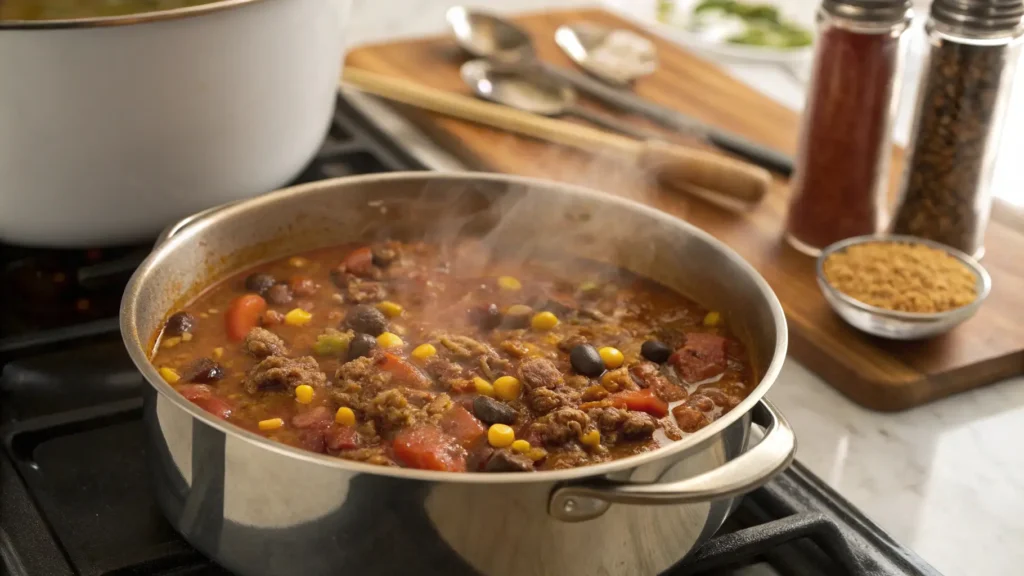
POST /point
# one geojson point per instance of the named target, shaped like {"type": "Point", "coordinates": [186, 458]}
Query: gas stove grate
{"type": "Point", "coordinates": [74, 490]}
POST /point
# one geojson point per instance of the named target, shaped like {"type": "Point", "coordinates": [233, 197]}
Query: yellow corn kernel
{"type": "Point", "coordinates": [297, 317]}
{"type": "Point", "coordinates": [712, 318]}
{"type": "Point", "coordinates": [507, 388]}
{"type": "Point", "coordinates": [345, 416]}
{"type": "Point", "coordinates": [537, 454]}
{"type": "Point", "coordinates": [509, 283]}
{"type": "Point", "coordinates": [303, 393]}
{"type": "Point", "coordinates": [521, 446]}
{"type": "Point", "coordinates": [482, 386]}
{"type": "Point", "coordinates": [612, 357]}
{"type": "Point", "coordinates": [218, 352]}
{"type": "Point", "coordinates": [500, 435]}
{"type": "Point", "coordinates": [388, 340]}
{"type": "Point", "coordinates": [591, 439]}
{"type": "Point", "coordinates": [518, 310]}
{"type": "Point", "coordinates": [544, 321]}
{"type": "Point", "coordinates": [298, 261]}
{"type": "Point", "coordinates": [271, 424]}
{"type": "Point", "coordinates": [186, 337]}
{"type": "Point", "coordinates": [169, 374]}
{"type": "Point", "coordinates": [390, 309]}
{"type": "Point", "coordinates": [423, 351]}
{"type": "Point", "coordinates": [170, 342]}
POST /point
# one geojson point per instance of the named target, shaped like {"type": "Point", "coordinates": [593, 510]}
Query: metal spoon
{"type": "Point", "coordinates": [615, 56]}
{"type": "Point", "coordinates": [488, 36]}
{"type": "Point", "coordinates": [538, 93]}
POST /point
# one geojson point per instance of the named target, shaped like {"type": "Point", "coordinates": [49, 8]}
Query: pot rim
{"type": "Point", "coordinates": [126, 19]}
{"type": "Point", "coordinates": [205, 220]}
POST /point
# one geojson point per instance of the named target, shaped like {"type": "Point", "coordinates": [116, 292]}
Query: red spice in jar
{"type": "Point", "coordinates": [841, 171]}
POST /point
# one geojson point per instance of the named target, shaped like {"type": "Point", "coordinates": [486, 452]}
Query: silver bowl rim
{"type": "Point", "coordinates": [982, 277]}
{"type": "Point", "coordinates": [204, 220]}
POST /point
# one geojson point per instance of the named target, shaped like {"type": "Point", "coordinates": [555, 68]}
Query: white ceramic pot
{"type": "Point", "coordinates": [112, 128]}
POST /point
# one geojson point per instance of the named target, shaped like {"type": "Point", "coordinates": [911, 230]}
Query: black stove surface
{"type": "Point", "coordinates": [74, 490]}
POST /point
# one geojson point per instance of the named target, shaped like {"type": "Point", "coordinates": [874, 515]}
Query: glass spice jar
{"type": "Point", "coordinates": [841, 170]}
{"type": "Point", "coordinates": [964, 90]}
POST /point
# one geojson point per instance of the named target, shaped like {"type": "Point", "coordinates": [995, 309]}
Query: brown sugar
{"type": "Point", "coordinates": [901, 276]}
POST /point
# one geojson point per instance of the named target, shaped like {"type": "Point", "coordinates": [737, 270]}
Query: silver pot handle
{"type": "Point", "coordinates": [178, 226]}
{"type": "Point", "coordinates": [584, 501]}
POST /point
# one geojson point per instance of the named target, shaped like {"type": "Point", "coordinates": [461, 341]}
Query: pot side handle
{"type": "Point", "coordinates": [180, 225]}
{"type": "Point", "coordinates": [585, 501]}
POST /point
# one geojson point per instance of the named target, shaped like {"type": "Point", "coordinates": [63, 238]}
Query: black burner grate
{"type": "Point", "coordinates": [74, 490]}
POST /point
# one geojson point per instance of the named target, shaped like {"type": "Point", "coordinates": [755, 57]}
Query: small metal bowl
{"type": "Point", "coordinates": [890, 323]}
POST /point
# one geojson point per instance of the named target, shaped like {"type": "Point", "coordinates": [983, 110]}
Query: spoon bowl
{"type": "Point", "coordinates": [616, 56]}
{"type": "Point", "coordinates": [487, 36]}
{"type": "Point", "coordinates": [530, 92]}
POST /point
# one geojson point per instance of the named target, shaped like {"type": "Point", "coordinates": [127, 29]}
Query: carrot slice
{"type": "Point", "coordinates": [641, 401]}
{"type": "Point", "coordinates": [243, 315]}
{"type": "Point", "coordinates": [402, 372]}
{"type": "Point", "coordinates": [465, 427]}
{"type": "Point", "coordinates": [359, 261]}
{"type": "Point", "coordinates": [428, 448]}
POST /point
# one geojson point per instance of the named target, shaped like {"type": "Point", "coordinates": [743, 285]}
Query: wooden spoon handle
{"type": "Point", "coordinates": [675, 166]}
{"type": "Point", "coordinates": [680, 166]}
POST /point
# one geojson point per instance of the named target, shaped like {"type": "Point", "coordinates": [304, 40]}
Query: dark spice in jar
{"type": "Point", "coordinates": [841, 170]}
{"type": "Point", "coordinates": [945, 188]}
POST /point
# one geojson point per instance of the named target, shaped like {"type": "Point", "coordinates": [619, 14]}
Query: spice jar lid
{"type": "Point", "coordinates": [869, 10]}
{"type": "Point", "coordinates": [980, 15]}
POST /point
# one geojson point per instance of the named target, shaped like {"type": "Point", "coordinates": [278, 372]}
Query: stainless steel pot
{"type": "Point", "coordinates": [262, 508]}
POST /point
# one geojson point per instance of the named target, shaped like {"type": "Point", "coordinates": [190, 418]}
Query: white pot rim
{"type": "Point", "coordinates": [127, 19]}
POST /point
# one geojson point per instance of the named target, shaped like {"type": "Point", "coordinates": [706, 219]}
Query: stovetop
{"type": "Point", "coordinates": [74, 491]}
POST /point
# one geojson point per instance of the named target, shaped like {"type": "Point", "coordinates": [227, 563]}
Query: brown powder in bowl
{"type": "Point", "coordinates": [901, 276]}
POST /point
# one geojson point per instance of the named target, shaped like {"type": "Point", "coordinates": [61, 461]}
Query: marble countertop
{"type": "Point", "coordinates": [945, 479]}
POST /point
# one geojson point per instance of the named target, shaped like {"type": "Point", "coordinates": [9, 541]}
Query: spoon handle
{"type": "Point", "coordinates": [612, 123]}
{"type": "Point", "coordinates": [756, 153]}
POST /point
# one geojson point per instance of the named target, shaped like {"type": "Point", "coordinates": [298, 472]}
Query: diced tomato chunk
{"type": "Point", "coordinates": [244, 314]}
{"type": "Point", "coordinates": [194, 392]}
{"type": "Point", "coordinates": [702, 357]}
{"type": "Point", "coordinates": [342, 438]}
{"type": "Point", "coordinates": [641, 401]}
{"type": "Point", "coordinates": [465, 427]}
{"type": "Point", "coordinates": [316, 418]}
{"type": "Point", "coordinates": [312, 439]}
{"type": "Point", "coordinates": [402, 372]}
{"type": "Point", "coordinates": [428, 448]}
{"type": "Point", "coordinates": [359, 261]}
{"type": "Point", "coordinates": [216, 406]}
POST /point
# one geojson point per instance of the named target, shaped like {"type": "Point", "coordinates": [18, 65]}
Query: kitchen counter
{"type": "Point", "coordinates": [946, 479]}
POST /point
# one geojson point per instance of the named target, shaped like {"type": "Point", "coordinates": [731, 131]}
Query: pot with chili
{"type": "Point", "coordinates": [453, 379]}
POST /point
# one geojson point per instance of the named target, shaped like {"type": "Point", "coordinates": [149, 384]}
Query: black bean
{"type": "Point", "coordinates": [507, 461]}
{"type": "Point", "coordinates": [491, 411]}
{"type": "Point", "coordinates": [279, 294]}
{"type": "Point", "coordinates": [179, 323]}
{"type": "Point", "coordinates": [655, 351]}
{"type": "Point", "coordinates": [365, 319]}
{"type": "Point", "coordinates": [362, 345]}
{"type": "Point", "coordinates": [259, 283]}
{"type": "Point", "coordinates": [204, 371]}
{"type": "Point", "coordinates": [585, 360]}
{"type": "Point", "coordinates": [487, 317]}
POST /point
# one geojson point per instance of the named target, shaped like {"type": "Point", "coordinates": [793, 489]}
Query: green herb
{"type": "Point", "coordinates": [762, 24]}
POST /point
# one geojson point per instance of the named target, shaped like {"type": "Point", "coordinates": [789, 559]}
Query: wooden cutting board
{"type": "Point", "coordinates": [876, 373]}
